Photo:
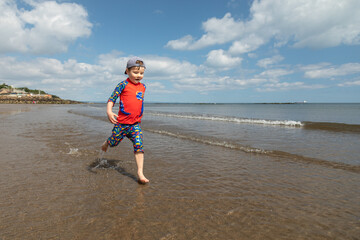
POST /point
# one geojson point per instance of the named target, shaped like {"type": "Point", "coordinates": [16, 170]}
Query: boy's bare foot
{"type": "Point", "coordinates": [104, 147]}
{"type": "Point", "coordinates": [142, 179]}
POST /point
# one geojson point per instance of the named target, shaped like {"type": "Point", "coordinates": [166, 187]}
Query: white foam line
{"type": "Point", "coordinates": [213, 143]}
{"type": "Point", "coordinates": [290, 123]}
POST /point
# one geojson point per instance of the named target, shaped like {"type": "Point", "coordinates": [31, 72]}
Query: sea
{"type": "Point", "coordinates": [316, 133]}
{"type": "Point", "coordinates": [217, 171]}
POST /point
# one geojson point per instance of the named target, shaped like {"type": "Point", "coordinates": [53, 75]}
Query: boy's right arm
{"type": "Point", "coordinates": [111, 102]}
{"type": "Point", "coordinates": [111, 116]}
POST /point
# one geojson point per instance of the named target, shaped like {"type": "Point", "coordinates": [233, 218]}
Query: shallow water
{"type": "Point", "coordinates": [55, 184]}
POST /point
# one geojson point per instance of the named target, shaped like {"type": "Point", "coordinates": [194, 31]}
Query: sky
{"type": "Point", "coordinates": [203, 51]}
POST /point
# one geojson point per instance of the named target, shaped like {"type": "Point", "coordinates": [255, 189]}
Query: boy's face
{"type": "Point", "coordinates": [135, 74]}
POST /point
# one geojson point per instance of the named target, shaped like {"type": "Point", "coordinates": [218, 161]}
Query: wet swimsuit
{"type": "Point", "coordinates": [132, 132]}
{"type": "Point", "coordinates": [130, 114]}
{"type": "Point", "coordinates": [131, 101]}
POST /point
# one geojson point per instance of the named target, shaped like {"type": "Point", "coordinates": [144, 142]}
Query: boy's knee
{"type": "Point", "coordinates": [138, 147]}
{"type": "Point", "coordinates": [138, 151]}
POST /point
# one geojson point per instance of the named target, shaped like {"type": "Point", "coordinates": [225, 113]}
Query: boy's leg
{"type": "Point", "coordinates": [117, 135]}
{"type": "Point", "coordinates": [105, 146]}
{"type": "Point", "coordinates": [135, 135]}
{"type": "Point", "coordinates": [139, 158]}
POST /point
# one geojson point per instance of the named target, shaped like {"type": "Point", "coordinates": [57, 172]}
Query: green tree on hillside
{"type": "Point", "coordinates": [4, 86]}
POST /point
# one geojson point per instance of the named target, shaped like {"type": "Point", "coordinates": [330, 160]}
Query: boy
{"type": "Point", "coordinates": [127, 121]}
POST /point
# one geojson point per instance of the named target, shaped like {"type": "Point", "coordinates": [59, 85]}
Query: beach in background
{"type": "Point", "coordinates": [217, 171]}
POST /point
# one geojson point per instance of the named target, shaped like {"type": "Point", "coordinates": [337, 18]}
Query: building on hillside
{"type": "Point", "coordinates": [5, 91]}
{"type": "Point", "coordinates": [40, 95]}
{"type": "Point", "coordinates": [14, 92]}
{"type": "Point", "coordinates": [19, 91]}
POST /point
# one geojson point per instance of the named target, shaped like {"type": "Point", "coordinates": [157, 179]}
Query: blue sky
{"type": "Point", "coordinates": [195, 51]}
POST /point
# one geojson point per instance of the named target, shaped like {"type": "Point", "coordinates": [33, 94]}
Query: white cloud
{"type": "Point", "coordinates": [164, 68]}
{"type": "Point", "coordinates": [275, 73]}
{"type": "Point", "coordinates": [217, 83]}
{"type": "Point", "coordinates": [184, 43]}
{"type": "Point", "coordinates": [157, 87]}
{"type": "Point", "coordinates": [73, 77]}
{"type": "Point", "coordinates": [51, 75]}
{"type": "Point", "coordinates": [303, 23]}
{"type": "Point", "coordinates": [75, 80]}
{"type": "Point", "coordinates": [246, 44]}
{"type": "Point", "coordinates": [325, 71]}
{"type": "Point", "coordinates": [249, 82]}
{"type": "Point", "coordinates": [264, 63]}
{"type": "Point", "coordinates": [48, 27]}
{"type": "Point", "coordinates": [350, 83]}
{"type": "Point", "coordinates": [312, 67]}
{"type": "Point", "coordinates": [114, 62]}
{"type": "Point", "coordinates": [203, 83]}
{"type": "Point", "coordinates": [286, 86]}
{"type": "Point", "coordinates": [221, 60]}
{"type": "Point", "coordinates": [218, 31]}
{"type": "Point", "coordinates": [157, 68]}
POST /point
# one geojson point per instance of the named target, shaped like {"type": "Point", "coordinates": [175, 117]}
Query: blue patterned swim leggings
{"type": "Point", "coordinates": [132, 132]}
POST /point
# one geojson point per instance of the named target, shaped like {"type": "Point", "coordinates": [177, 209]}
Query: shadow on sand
{"type": "Point", "coordinates": [104, 163]}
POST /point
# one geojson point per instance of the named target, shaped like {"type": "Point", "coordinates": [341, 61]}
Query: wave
{"type": "Point", "coordinates": [307, 125]}
{"type": "Point", "coordinates": [209, 141]}
{"type": "Point", "coordinates": [272, 153]}
{"type": "Point", "coordinates": [288, 123]}
{"type": "Point", "coordinates": [251, 150]}
{"type": "Point", "coordinates": [333, 127]}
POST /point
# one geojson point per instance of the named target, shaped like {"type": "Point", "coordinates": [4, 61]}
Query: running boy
{"type": "Point", "coordinates": [127, 121]}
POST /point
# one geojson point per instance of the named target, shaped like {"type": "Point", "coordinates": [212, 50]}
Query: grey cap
{"type": "Point", "coordinates": [135, 62]}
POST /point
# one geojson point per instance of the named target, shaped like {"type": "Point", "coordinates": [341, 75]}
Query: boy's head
{"type": "Point", "coordinates": [134, 62]}
{"type": "Point", "coordinates": [135, 69]}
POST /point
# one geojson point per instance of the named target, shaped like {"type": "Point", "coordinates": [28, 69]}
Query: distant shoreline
{"type": "Point", "coordinates": [24, 95]}
{"type": "Point", "coordinates": [35, 100]}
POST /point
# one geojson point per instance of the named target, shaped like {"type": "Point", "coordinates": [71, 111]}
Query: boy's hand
{"type": "Point", "coordinates": [112, 117]}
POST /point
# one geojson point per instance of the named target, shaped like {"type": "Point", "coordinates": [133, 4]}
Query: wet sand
{"type": "Point", "coordinates": [51, 188]}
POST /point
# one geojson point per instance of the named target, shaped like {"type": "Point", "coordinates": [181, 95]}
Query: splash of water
{"type": "Point", "coordinates": [73, 151]}
{"type": "Point", "coordinates": [101, 162]}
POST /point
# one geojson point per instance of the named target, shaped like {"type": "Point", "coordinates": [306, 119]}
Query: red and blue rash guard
{"type": "Point", "coordinates": [131, 101]}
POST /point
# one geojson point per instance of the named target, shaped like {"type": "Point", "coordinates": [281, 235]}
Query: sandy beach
{"type": "Point", "coordinates": [53, 187]}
